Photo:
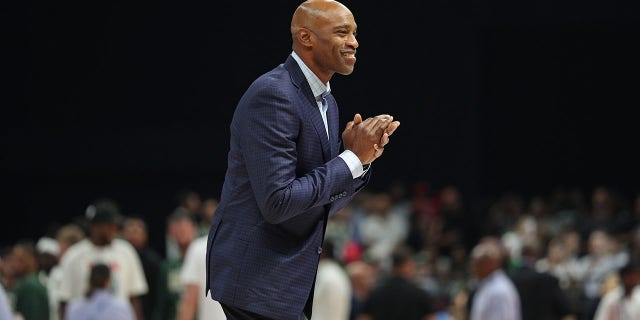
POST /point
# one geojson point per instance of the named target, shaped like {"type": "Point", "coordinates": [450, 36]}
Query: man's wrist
{"type": "Point", "coordinates": [353, 162]}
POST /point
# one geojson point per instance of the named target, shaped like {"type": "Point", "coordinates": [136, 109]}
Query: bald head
{"type": "Point", "coordinates": [487, 257]}
{"type": "Point", "coordinates": [313, 13]}
{"type": "Point", "coordinates": [324, 37]}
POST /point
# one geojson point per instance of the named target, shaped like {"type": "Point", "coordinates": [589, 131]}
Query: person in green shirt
{"type": "Point", "coordinates": [182, 229]}
{"type": "Point", "coordinates": [30, 296]}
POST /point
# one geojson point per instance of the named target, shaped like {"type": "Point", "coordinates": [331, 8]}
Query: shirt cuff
{"type": "Point", "coordinates": [353, 162]}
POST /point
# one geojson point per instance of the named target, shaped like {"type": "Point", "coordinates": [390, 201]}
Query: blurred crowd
{"type": "Point", "coordinates": [408, 252]}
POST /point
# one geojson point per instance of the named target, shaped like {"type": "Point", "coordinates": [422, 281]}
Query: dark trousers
{"type": "Point", "coordinates": [234, 313]}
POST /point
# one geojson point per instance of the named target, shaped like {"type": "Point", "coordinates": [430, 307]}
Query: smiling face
{"type": "Point", "coordinates": [324, 36]}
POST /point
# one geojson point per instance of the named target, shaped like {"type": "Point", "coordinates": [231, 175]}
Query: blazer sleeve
{"type": "Point", "coordinates": [269, 132]}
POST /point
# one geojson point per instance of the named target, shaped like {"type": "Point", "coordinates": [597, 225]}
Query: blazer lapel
{"type": "Point", "coordinates": [311, 106]}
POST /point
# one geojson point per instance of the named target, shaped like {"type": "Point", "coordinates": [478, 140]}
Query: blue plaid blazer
{"type": "Point", "coordinates": [284, 179]}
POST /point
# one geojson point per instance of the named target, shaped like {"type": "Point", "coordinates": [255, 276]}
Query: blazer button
{"type": "Point", "coordinates": [319, 250]}
{"type": "Point", "coordinates": [332, 198]}
{"type": "Point", "coordinates": [344, 193]}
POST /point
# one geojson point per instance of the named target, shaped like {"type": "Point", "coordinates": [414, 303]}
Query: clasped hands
{"type": "Point", "coordinates": [367, 138]}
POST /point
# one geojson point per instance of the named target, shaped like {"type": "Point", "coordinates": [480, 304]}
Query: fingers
{"type": "Point", "coordinates": [357, 118]}
{"type": "Point", "coordinates": [392, 127]}
{"type": "Point", "coordinates": [377, 123]}
{"type": "Point", "coordinates": [384, 139]}
{"type": "Point", "coordinates": [349, 125]}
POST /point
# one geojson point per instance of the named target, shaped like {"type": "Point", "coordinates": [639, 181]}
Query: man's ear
{"type": "Point", "coordinates": [304, 36]}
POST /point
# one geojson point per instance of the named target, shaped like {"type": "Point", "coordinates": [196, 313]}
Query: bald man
{"type": "Point", "coordinates": [287, 173]}
{"type": "Point", "coordinates": [496, 297]}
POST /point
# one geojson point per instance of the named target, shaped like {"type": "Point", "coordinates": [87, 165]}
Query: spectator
{"type": "Point", "coordinates": [397, 296]}
{"type": "Point", "coordinates": [594, 267]}
{"type": "Point", "coordinates": [556, 263]}
{"type": "Point", "coordinates": [182, 230]}
{"type": "Point", "coordinates": [48, 257]}
{"type": "Point", "coordinates": [99, 303]}
{"type": "Point", "coordinates": [194, 303]}
{"type": "Point", "coordinates": [47, 252]}
{"type": "Point", "coordinates": [624, 301]}
{"type": "Point", "coordinates": [453, 221]}
{"type": "Point", "coordinates": [66, 236]}
{"type": "Point", "coordinates": [136, 233]}
{"type": "Point", "coordinates": [496, 297]}
{"type": "Point", "coordinates": [382, 230]}
{"type": "Point", "coordinates": [541, 297]}
{"type": "Point", "coordinates": [205, 215]}
{"type": "Point", "coordinates": [604, 207]}
{"type": "Point", "coordinates": [332, 293]}
{"type": "Point", "coordinates": [189, 203]}
{"type": "Point", "coordinates": [362, 277]}
{"type": "Point", "coordinates": [31, 300]}
{"type": "Point", "coordinates": [102, 247]}
{"type": "Point", "coordinates": [5, 307]}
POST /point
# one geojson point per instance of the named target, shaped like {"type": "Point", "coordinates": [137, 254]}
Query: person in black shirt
{"type": "Point", "coordinates": [396, 296]}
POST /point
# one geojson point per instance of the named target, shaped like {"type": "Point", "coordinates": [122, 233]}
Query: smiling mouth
{"type": "Point", "coordinates": [349, 54]}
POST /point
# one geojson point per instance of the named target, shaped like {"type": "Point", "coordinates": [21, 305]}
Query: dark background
{"type": "Point", "coordinates": [132, 99]}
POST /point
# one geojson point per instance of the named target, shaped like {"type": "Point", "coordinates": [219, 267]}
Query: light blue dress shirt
{"type": "Point", "coordinates": [101, 305]}
{"type": "Point", "coordinates": [319, 88]}
{"type": "Point", "coordinates": [496, 299]}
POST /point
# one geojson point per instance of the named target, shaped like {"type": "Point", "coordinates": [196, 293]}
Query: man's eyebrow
{"type": "Point", "coordinates": [344, 26]}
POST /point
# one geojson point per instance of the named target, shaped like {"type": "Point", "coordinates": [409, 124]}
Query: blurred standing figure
{"type": "Point", "coordinates": [397, 296]}
{"type": "Point", "coordinates": [623, 302]}
{"type": "Point", "coordinates": [99, 303]}
{"type": "Point", "coordinates": [362, 277]}
{"type": "Point", "coordinates": [496, 297]}
{"type": "Point", "coordinates": [541, 296]}
{"type": "Point", "coordinates": [48, 257]}
{"type": "Point", "coordinates": [30, 296]}
{"type": "Point", "coordinates": [135, 232]}
{"type": "Point", "coordinates": [189, 202]}
{"type": "Point", "coordinates": [183, 230]}
{"type": "Point", "coordinates": [194, 303]}
{"type": "Point", "coordinates": [5, 307]}
{"type": "Point", "coordinates": [102, 247]}
{"type": "Point", "coordinates": [286, 174]}
{"type": "Point", "coordinates": [66, 236]}
{"type": "Point", "coordinates": [205, 215]}
{"type": "Point", "coordinates": [332, 293]}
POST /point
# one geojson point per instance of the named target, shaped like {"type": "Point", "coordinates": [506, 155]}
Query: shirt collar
{"type": "Point", "coordinates": [318, 88]}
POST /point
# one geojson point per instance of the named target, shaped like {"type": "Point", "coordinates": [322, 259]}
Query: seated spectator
{"type": "Point", "coordinates": [594, 267]}
{"type": "Point", "coordinates": [99, 303]}
{"type": "Point", "coordinates": [382, 230]}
